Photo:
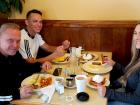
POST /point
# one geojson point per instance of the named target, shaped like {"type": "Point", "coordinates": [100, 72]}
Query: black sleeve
{"type": "Point", "coordinates": [129, 97]}
{"type": "Point", "coordinates": [29, 69]}
{"type": "Point", "coordinates": [116, 72]}
{"type": "Point", "coordinates": [131, 94]}
{"type": "Point", "coordinates": [26, 69]}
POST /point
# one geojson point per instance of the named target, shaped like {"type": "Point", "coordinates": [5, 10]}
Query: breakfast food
{"type": "Point", "coordinates": [96, 63]}
{"type": "Point", "coordinates": [29, 80]}
{"type": "Point", "coordinates": [87, 56]}
{"type": "Point", "coordinates": [43, 82]}
{"type": "Point", "coordinates": [38, 80]}
{"type": "Point", "coordinates": [94, 67]}
{"type": "Point", "coordinates": [97, 80]}
{"type": "Point", "coordinates": [61, 58]}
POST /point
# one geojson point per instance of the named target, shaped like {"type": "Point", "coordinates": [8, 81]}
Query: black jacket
{"type": "Point", "coordinates": [13, 69]}
{"type": "Point", "coordinates": [132, 90]}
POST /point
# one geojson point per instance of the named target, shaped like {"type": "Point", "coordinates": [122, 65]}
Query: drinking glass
{"type": "Point", "coordinates": [73, 64]}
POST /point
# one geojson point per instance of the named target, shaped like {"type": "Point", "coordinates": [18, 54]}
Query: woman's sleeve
{"type": "Point", "coordinates": [116, 72]}
{"type": "Point", "coordinates": [130, 97]}
{"type": "Point", "coordinates": [123, 96]}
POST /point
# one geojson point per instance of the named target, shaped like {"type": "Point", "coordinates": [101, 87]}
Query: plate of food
{"type": "Point", "coordinates": [39, 80]}
{"type": "Point", "coordinates": [96, 80]}
{"type": "Point", "coordinates": [88, 56]}
{"type": "Point", "coordinates": [62, 60]}
{"type": "Point", "coordinates": [96, 67]}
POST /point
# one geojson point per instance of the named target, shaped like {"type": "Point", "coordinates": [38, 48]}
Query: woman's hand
{"type": "Point", "coordinates": [108, 61]}
{"type": "Point", "coordinates": [101, 90]}
{"type": "Point", "coordinates": [26, 91]}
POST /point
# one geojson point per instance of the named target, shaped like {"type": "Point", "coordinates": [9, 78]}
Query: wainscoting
{"type": "Point", "coordinates": [114, 36]}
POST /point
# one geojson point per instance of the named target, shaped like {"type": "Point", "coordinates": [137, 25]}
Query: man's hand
{"type": "Point", "coordinates": [66, 44]}
{"type": "Point", "coordinates": [46, 66]}
{"type": "Point", "coordinates": [59, 51]}
{"type": "Point", "coordinates": [31, 60]}
{"type": "Point", "coordinates": [26, 91]}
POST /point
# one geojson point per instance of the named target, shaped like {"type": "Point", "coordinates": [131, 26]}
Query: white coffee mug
{"type": "Point", "coordinates": [80, 83]}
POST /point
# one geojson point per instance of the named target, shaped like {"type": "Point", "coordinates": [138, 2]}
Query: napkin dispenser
{"type": "Point", "coordinates": [59, 85]}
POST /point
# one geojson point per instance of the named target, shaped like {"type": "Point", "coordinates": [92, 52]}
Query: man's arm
{"type": "Point", "coordinates": [51, 48]}
{"type": "Point", "coordinates": [48, 48]}
{"type": "Point", "coordinates": [43, 59]}
{"type": "Point", "coordinates": [57, 53]}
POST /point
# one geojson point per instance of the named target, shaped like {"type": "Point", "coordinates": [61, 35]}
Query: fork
{"type": "Point", "coordinates": [36, 79]}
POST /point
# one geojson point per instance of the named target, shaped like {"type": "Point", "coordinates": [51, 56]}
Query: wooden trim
{"type": "Point", "coordinates": [85, 23]}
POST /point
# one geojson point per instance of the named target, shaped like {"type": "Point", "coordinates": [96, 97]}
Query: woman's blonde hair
{"type": "Point", "coordinates": [135, 61]}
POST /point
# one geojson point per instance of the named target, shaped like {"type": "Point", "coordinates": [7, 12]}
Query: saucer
{"type": "Point", "coordinates": [82, 96]}
{"type": "Point", "coordinates": [70, 87]}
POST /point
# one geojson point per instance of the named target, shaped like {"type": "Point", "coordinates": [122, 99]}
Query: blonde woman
{"type": "Point", "coordinates": [129, 77]}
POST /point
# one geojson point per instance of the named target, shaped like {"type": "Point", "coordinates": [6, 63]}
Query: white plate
{"type": "Point", "coordinates": [107, 82]}
{"type": "Point", "coordinates": [63, 62]}
{"type": "Point", "coordinates": [35, 79]}
{"type": "Point", "coordinates": [97, 69]}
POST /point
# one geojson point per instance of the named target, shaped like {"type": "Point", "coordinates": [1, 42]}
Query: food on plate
{"type": "Point", "coordinates": [87, 56]}
{"type": "Point", "coordinates": [94, 67]}
{"type": "Point", "coordinates": [38, 80]}
{"type": "Point", "coordinates": [96, 63]}
{"type": "Point", "coordinates": [30, 80]}
{"type": "Point", "coordinates": [97, 80]}
{"type": "Point", "coordinates": [43, 82]}
{"type": "Point", "coordinates": [61, 58]}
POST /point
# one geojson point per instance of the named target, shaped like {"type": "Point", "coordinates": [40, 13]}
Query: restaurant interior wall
{"type": "Point", "coordinates": [83, 9]}
{"type": "Point", "coordinates": [108, 23]}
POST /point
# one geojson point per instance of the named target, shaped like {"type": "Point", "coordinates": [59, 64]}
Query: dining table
{"type": "Point", "coordinates": [69, 95]}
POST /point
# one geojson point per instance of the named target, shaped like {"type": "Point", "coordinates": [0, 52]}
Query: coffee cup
{"type": "Point", "coordinates": [81, 83]}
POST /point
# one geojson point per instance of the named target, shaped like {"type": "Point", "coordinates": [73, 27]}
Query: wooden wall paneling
{"type": "Point", "coordinates": [2, 20]}
{"type": "Point", "coordinates": [114, 36]}
{"type": "Point", "coordinates": [128, 41]}
{"type": "Point", "coordinates": [90, 38]}
{"type": "Point", "coordinates": [106, 39]}
{"type": "Point", "coordinates": [118, 47]}
{"type": "Point", "coordinates": [96, 35]}
{"type": "Point", "coordinates": [121, 48]}
{"type": "Point", "coordinates": [20, 22]}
